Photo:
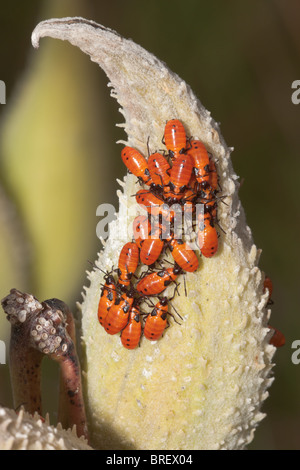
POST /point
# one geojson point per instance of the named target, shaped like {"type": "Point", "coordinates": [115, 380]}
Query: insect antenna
{"type": "Point", "coordinates": [107, 273]}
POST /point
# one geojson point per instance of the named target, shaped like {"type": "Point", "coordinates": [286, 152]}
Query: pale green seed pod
{"type": "Point", "coordinates": [202, 385]}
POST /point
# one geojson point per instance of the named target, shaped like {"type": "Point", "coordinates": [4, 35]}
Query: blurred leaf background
{"type": "Point", "coordinates": [59, 160]}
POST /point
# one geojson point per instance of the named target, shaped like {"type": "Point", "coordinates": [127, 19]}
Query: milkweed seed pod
{"type": "Point", "coordinates": [202, 385]}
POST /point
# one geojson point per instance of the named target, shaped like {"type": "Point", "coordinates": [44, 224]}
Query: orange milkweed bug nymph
{"type": "Point", "coordinates": [180, 175]}
{"type": "Point", "coordinates": [174, 137]}
{"type": "Point", "coordinates": [157, 281]}
{"type": "Point", "coordinates": [136, 164]}
{"type": "Point", "coordinates": [159, 169]}
{"type": "Point", "coordinates": [131, 334]}
{"type": "Point", "coordinates": [128, 263]}
{"type": "Point", "coordinates": [117, 316]}
{"type": "Point", "coordinates": [151, 248]}
{"type": "Point", "coordinates": [107, 298]}
{"type": "Point", "coordinates": [201, 162]}
{"type": "Point", "coordinates": [207, 235]}
{"type": "Point", "coordinates": [183, 255]}
{"type": "Point", "coordinates": [157, 321]}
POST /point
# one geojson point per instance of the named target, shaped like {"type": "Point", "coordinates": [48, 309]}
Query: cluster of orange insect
{"type": "Point", "coordinates": [180, 178]}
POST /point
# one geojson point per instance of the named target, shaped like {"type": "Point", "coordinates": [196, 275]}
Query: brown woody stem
{"type": "Point", "coordinates": [71, 405]}
{"type": "Point", "coordinates": [39, 329]}
{"type": "Point", "coordinates": [25, 362]}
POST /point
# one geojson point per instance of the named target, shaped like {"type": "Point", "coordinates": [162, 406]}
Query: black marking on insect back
{"type": "Point", "coordinates": [110, 295]}
{"type": "Point", "coordinates": [126, 307]}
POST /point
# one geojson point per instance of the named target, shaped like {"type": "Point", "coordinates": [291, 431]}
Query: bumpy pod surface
{"type": "Point", "coordinates": [25, 432]}
{"type": "Point", "coordinates": [203, 384]}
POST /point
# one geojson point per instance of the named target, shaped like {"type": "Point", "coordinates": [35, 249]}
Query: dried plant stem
{"type": "Point", "coordinates": [71, 409]}
{"type": "Point", "coordinates": [71, 405]}
{"type": "Point", "coordinates": [25, 373]}
{"type": "Point", "coordinates": [25, 361]}
{"type": "Point", "coordinates": [40, 329]}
